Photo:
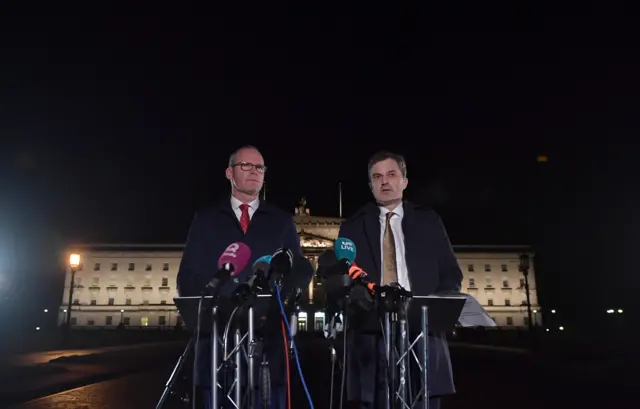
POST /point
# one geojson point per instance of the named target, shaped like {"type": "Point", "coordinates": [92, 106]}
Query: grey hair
{"type": "Point", "coordinates": [234, 155]}
{"type": "Point", "coordinates": [384, 155]}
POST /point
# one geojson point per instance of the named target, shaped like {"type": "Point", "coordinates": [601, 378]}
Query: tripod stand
{"type": "Point", "coordinates": [168, 389]}
{"type": "Point", "coordinates": [338, 290]}
{"type": "Point", "coordinates": [394, 302]}
{"type": "Point", "coordinates": [227, 368]}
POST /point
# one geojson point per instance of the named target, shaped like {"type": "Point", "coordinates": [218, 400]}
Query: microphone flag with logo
{"type": "Point", "coordinates": [231, 263]}
{"type": "Point", "coordinates": [235, 257]}
{"type": "Point", "coordinates": [345, 250]}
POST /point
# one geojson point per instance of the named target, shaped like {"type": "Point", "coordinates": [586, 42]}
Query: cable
{"type": "Point", "coordinates": [286, 362]}
{"type": "Point", "coordinates": [295, 349]}
{"type": "Point", "coordinates": [344, 359]}
{"type": "Point", "coordinates": [225, 337]}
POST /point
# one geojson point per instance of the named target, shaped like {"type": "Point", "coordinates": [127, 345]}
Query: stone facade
{"type": "Point", "coordinates": [134, 285]}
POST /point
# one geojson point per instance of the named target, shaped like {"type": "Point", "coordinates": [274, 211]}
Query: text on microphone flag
{"type": "Point", "coordinates": [237, 255]}
{"type": "Point", "coordinates": [345, 249]}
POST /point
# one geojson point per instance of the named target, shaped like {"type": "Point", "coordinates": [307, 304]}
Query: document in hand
{"type": "Point", "coordinates": [472, 315]}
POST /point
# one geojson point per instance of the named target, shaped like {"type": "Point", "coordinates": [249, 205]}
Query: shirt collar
{"type": "Point", "coordinates": [399, 211]}
{"type": "Point", "coordinates": [235, 203]}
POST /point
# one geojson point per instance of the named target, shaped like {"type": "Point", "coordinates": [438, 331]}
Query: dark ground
{"type": "Point", "coordinates": [491, 379]}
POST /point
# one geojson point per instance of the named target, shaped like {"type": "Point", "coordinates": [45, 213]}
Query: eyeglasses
{"type": "Point", "coordinates": [246, 166]}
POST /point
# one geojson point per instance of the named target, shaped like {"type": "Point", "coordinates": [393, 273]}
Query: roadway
{"type": "Point", "coordinates": [485, 379]}
{"type": "Point", "coordinates": [43, 357]}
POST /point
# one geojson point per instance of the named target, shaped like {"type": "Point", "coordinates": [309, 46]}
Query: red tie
{"type": "Point", "coordinates": [244, 217]}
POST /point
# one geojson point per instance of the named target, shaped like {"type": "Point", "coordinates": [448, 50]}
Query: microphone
{"type": "Point", "coordinates": [327, 264]}
{"type": "Point", "coordinates": [258, 281]}
{"type": "Point", "coordinates": [345, 252]}
{"type": "Point", "coordinates": [294, 284]}
{"type": "Point", "coordinates": [359, 275]}
{"type": "Point", "coordinates": [334, 274]}
{"type": "Point", "coordinates": [232, 261]}
{"type": "Point", "coordinates": [281, 263]}
{"type": "Point", "coordinates": [345, 249]}
{"type": "Point", "coordinates": [255, 284]}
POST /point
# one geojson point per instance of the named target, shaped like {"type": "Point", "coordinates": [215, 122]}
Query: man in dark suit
{"type": "Point", "coordinates": [397, 242]}
{"type": "Point", "coordinates": [239, 218]}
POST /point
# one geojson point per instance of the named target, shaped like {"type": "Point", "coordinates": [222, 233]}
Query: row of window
{"type": "Point", "coordinates": [507, 303]}
{"type": "Point", "coordinates": [487, 268]}
{"type": "Point", "coordinates": [95, 281]}
{"type": "Point", "coordinates": [144, 321]}
{"type": "Point", "coordinates": [318, 321]}
{"type": "Point", "coordinates": [128, 301]}
{"type": "Point", "coordinates": [165, 267]}
{"type": "Point", "coordinates": [112, 301]}
{"type": "Point", "coordinates": [132, 267]}
{"type": "Point", "coordinates": [489, 283]}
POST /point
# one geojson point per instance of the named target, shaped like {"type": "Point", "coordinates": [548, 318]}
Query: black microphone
{"type": "Point", "coordinates": [256, 284]}
{"type": "Point", "coordinates": [296, 281]}
{"type": "Point", "coordinates": [334, 273]}
{"type": "Point", "coordinates": [327, 264]}
{"type": "Point", "coordinates": [280, 266]}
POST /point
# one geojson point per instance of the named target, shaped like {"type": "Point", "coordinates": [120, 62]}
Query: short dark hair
{"type": "Point", "coordinates": [384, 155]}
{"type": "Point", "coordinates": [234, 154]}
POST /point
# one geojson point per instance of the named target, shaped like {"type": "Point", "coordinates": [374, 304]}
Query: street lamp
{"type": "Point", "coordinates": [524, 268]}
{"type": "Point", "coordinates": [74, 263]}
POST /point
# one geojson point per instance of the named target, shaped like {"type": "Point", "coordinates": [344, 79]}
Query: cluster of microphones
{"type": "Point", "coordinates": [345, 284]}
{"type": "Point", "coordinates": [281, 269]}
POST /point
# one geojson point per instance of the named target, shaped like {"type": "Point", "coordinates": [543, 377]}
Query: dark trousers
{"type": "Point", "coordinates": [278, 399]}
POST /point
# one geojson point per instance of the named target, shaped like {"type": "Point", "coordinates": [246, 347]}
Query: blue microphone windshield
{"type": "Point", "coordinates": [263, 259]}
{"type": "Point", "coordinates": [345, 249]}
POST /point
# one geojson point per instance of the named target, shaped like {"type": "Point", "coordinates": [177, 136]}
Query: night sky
{"type": "Point", "coordinates": [118, 128]}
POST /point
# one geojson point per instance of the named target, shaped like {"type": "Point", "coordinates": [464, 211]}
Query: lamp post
{"type": "Point", "coordinates": [524, 268]}
{"type": "Point", "coordinates": [74, 263]}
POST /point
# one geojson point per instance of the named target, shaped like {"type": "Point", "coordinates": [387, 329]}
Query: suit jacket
{"type": "Point", "coordinates": [433, 268]}
{"type": "Point", "coordinates": [211, 231]}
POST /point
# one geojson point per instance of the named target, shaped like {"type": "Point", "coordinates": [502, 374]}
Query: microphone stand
{"type": "Point", "coordinates": [245, 297]}
{"type": "Point", "coordinates": [337, 288]}
{"type": "Point", "coordinates": [394, 305]}
{"type": "Point", "coordinates": [193, 344]}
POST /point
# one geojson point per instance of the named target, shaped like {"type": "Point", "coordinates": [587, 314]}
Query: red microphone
{"type": "Point", "coordinates": [358, 274]}
{"type": "Point", "coordinates": [231, 263]}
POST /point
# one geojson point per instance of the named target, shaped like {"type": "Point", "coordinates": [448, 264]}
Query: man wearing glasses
{"type": "Point", "coordinates": [242, 217]}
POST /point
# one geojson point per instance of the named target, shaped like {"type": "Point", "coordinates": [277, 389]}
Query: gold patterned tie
{"type": "Point", "coordinates": [390, 271]}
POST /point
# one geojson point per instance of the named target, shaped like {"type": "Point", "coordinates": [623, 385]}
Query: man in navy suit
{"type": "Point", "coordinates": [239, 218]}
{"type": "Point", "coordinates": [404, 243]}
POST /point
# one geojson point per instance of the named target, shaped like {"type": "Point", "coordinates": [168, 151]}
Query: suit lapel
{"type": "Point", "coordinates": [412, 236]}
{"type": "Point", "coordinates": [372, 232]}
{"type": "Point", "coordinates": [224, 206]}
{"type": "Point", "coordinates": [263, 208]}
{"type": "Point", "coordinates": [258, 218]}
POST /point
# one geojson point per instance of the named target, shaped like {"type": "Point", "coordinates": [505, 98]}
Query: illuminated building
{"type": "Point", "coordinates": [134, 285]}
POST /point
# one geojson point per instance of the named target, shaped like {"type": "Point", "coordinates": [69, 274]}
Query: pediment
{"type": "Point", "coordinates": [308, 240]}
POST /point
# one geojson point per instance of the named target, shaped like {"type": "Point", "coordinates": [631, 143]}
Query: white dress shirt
{"type": "Point", "coordinates": [235, 205]}
{"type": "Point", "coordinates": [398, 236]}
